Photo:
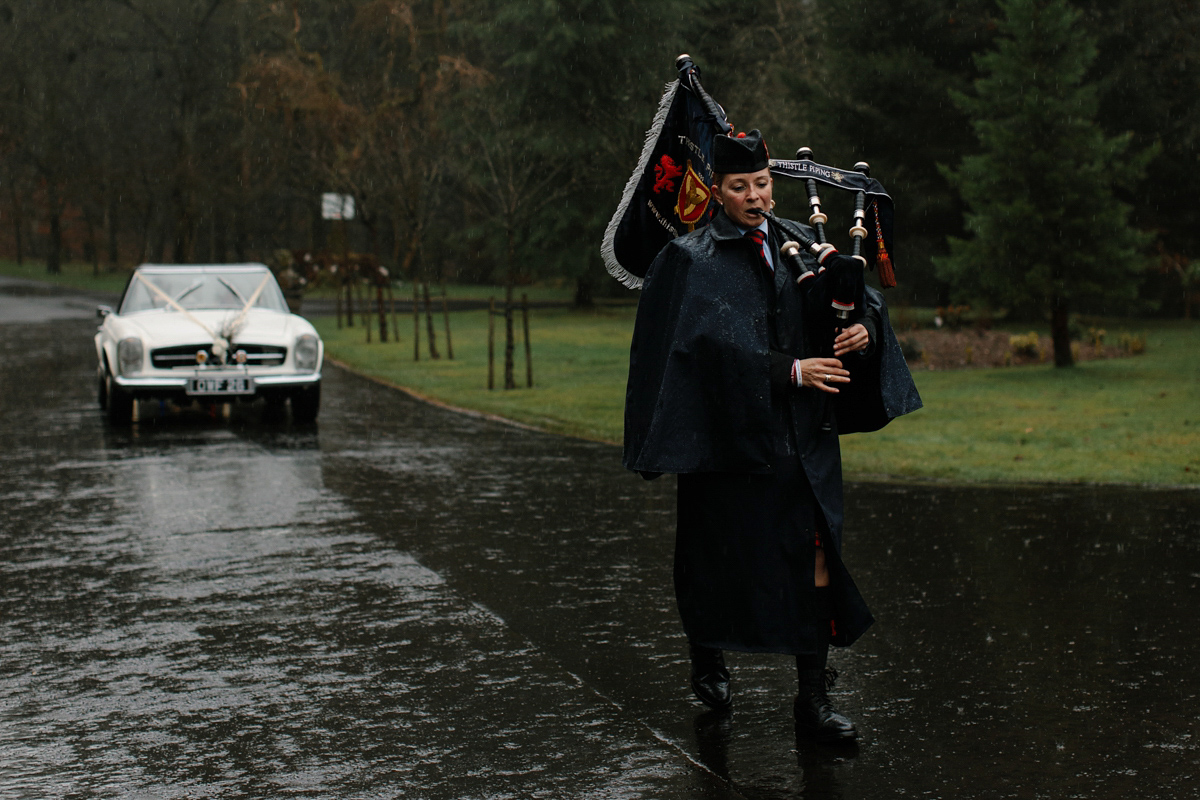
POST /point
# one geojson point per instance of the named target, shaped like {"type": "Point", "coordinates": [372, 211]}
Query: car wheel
{"type": "Point", "coordinates": [305, 404]}
{"type": "Point", "coordinates": [120, 404]}
{"type": "Point", "coordinates": [102, 387]}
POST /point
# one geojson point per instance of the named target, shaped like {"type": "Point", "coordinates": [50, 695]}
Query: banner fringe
{"type": "Point", "coordinates": [608, 247]}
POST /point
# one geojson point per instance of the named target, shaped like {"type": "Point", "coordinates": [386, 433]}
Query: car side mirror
{"type": "Point", "coordinates": [103, 311]}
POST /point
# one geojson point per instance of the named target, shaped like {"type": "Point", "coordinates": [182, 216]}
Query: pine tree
{"type": "Point", "coordinates": [879, 89]}
{"type": "Point", "coordinates": [1048, 229]}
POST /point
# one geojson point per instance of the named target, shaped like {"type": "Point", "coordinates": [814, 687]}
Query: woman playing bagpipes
{"type": "Point", "coordinates": [731, 383]}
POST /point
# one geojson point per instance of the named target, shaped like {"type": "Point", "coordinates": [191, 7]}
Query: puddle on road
{"type": "Point", "coordinates": [190, 610]}
{"type": "Point", "coordinates": [1030, 639]}
{"type": "Point", "coordinates": [406, 601]}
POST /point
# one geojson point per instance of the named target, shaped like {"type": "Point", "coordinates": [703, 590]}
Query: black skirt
{"type": "Point", "coordinates": [744, 554]}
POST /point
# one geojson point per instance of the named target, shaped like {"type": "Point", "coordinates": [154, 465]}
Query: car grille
{"type": "Point", "coordinates": [257, 355]}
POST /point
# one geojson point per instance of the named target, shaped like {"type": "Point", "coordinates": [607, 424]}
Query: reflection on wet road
{"type": "Point", "coordinates": [411, 602]}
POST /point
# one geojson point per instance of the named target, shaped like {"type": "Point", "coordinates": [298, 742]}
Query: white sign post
{"type": "Point", "coordinates": [340, 207]}
{"type": "Point", "coordinates": [337, 206]}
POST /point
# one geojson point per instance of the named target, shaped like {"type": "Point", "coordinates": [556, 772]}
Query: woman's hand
{"type": "Point", "coordinates": [851, 340]}
{"type": "Point", "coordinates": [822, 373]}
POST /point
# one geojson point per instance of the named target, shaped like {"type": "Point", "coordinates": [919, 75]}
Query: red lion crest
{"type": "Point", "coordinates": [665, 173]}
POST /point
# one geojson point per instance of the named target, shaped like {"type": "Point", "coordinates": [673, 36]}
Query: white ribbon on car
{"type": "Point", "coordinates": [220, 343]}
{"type": "Point", "coordinates": [237, 321]}
{"type": "Point", "coordinates": [166, 298]}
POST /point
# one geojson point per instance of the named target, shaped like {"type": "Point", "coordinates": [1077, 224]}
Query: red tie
{"type": "Point", "coordinates": [757, 236]}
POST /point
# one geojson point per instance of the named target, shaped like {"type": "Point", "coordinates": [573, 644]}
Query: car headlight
{"type": "Point", "coordinates": [307, 351]}
{"type": "Point", "coordinates": [129, 355]}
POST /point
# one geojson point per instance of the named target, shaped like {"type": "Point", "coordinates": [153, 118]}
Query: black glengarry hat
{"type": "Point", "coordinates": [745, 152]}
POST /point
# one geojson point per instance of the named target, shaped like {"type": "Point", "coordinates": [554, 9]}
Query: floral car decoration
{"type": "Point", "coordinates": [217, 333]}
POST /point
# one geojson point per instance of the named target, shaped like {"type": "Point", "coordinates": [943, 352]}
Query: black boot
{"type": "Point", "coordinates": [816, 717]}
{"type": "Point", "coordinates": [710, 679]}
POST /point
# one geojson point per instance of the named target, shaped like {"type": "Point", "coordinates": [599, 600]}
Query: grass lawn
{"type": "Point", "coordinates": [1134, 420]}
{"type": "Point", "coordinates": [1130, 420]}
{"type": "Point", "coordinates": [74, 275]}
{"type": "Point", "coordinates": [579, 365]}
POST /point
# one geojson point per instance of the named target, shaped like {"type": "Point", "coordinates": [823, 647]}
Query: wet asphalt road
{"type": "Point", "coordinates": [402, 601]}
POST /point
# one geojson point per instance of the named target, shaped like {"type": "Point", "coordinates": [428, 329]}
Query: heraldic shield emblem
{"type": "Point", "coordinates": [694, 195]}
{"type": "Point", "coordinates": [668, 193]}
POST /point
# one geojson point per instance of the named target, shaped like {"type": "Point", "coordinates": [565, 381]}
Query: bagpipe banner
{"type": "Point", "coordinates": [878, 247]}
{"type": "Point", "coordinates": [668, 193]}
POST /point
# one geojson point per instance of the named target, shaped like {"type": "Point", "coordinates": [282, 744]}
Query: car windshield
{"type": "Point", "coordinates": [195, 290]}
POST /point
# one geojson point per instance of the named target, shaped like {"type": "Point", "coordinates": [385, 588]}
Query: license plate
{"type": "Point", "coordinates": [217, 385]}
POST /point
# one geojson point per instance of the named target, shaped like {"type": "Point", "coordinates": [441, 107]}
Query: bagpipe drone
{"type": "Point", "coordinates": [669, 194]}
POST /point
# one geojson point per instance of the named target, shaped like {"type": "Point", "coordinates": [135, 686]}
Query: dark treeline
{"type": "Point", "coordinates": [483, 139]}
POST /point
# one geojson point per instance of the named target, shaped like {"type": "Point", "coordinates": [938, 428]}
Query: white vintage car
{"type": "Point", "coordinates": [215, 333]}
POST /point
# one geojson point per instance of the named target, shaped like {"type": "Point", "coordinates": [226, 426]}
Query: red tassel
{"type": "Point", "coordinates": [883, 262]}
{"type": "Point", "coordinates": [887, 277]}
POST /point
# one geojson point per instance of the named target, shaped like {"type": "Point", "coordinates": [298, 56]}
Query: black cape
{"type": "Point", "coordinates": [698, 395]}
{"type": "Point", "coordinates": [760, 463]}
